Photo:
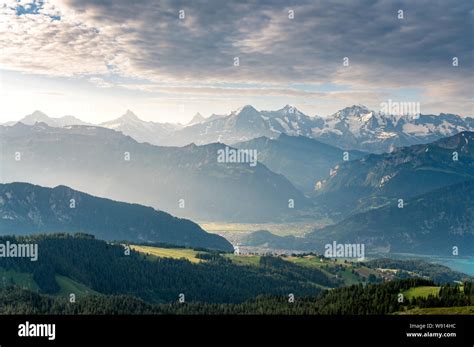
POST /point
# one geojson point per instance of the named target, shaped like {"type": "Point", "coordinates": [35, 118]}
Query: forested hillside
{"type": "Point", "coordinates": [106, 268]}
{"type": "Point", "coordinates": [356, 299]}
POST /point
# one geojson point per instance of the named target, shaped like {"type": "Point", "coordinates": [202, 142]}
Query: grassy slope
{"type": "Point", "coordinates": [176, 253]}
{"type": "Point", "coordinates": [25, 280]}
{"type": "Point", "coordinates": [423, 291]}
{"type": "Point", "coordinates": [440, 310]}
{"type": "Point", "coordinates": [347, 275]}
{"type": "Point", "coordinates": [244, 259]}
{"type": "Point", "coordinates": [309, 261]}
{"type": "Point", "coordinates": [69, 286]}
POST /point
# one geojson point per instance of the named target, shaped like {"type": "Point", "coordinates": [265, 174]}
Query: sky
{"type": "Point", "coordinates": [167, 60]}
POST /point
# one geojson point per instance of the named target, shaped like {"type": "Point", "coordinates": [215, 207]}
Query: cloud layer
{"type": "Point", "coordinates": [145, 44]}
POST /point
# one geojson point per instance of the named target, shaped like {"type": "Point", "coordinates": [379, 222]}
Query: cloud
{"type": "Point", "coordinates": [146, 40]}
{"type": "Point", "coordinates": [99, 82]}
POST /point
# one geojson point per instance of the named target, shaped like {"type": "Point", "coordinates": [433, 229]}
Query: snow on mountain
{"type": "Point", "coordinates": [245, 124]}
{"type": "Point", "coordinates": [357, 127]}
{"type": "Point", "coordinates": [40, 117]}
{"type": "Point", "coordinates": [142, 131]}
{"type": "Point", "coordinates": [198, 118]}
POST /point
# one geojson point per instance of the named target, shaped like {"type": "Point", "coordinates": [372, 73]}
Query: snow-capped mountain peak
{"type": "Point", "coordinates": [36, 116]}
{"type": "Point", "coordinates": [198, 118]}
{"type": "Point", "coordinates": [129, 115]}
{"type": "Point", "coordinates": [352, 111]}
{"type": "Point", "coordinates": [245, 110]}
{"type": "Point", "coordinates": [40, 117]}
{"type": "Point", "coordinates": [354, 127]}
{"type": "Point", "coordinates": [142, 131]}
{"type": "Point", "coordinates": [38, 113]}
{"type": "Point", "coordinates": [290, 110]}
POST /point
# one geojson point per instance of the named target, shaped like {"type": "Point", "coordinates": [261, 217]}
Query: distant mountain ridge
{"type": "Point", "coordinates": [26, 208]}
{"type": "Point", "coordinates": [355, 127]}
{"type": "Point", "coordinates": [245, 124]}
{"type": "Point", "coordinates": [304, 161]}
{"type": "Point", "coordinates": [432, 223]}
{"type": "Point", "coordinates": [185, 181]}
{"type": "Point", "coordinates": [198, 118]}
{"type": "Point", "coordinates": [142, 131]}
{"type": "Point", "coordinates": [40, 117]}
{"type": "Point", "coordinates": [377, 179]}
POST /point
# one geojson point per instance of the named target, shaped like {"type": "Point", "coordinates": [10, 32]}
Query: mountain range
{"type": "Point", "coordinates": [304, 161]}
{"type": "Point", "coordinates": [378, 179]}
{"type": "Point", "coordinates": [40, 117]}
{"type": "Point", "coordinates": [355, 127]}
{"type": "Point", "coordinates": [432, 223]}
{"type": "Point", "coordinates": [364, 194]}
{"type": "Point", "coordinates": [245, 124]}
{"type": "Point", "coordinates": [151, 132]}
{"type": "Point", "coordinates": [185, 181]}
{"type": "Point", "coordinates": [27, 208]}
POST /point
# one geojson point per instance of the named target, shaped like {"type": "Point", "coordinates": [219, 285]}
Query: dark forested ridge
{"type": "Point", "coordinates": [107, 269]}
{"type": "Point", "coordinates": [353, 300]}
{"type": "Point", "coordinates": [27, 208]}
